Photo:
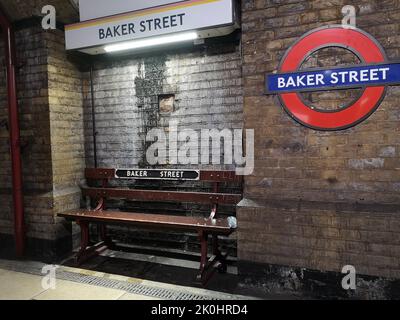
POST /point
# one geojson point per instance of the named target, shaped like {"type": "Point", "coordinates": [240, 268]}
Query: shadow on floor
{"type": "Point", "coordinates": [175, 275]}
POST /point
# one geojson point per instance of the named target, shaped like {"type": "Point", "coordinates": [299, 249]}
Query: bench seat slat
{"type": "Point", "coordinates": [153, 220]}
{"type": "Point", "coordinates": [150, 195]}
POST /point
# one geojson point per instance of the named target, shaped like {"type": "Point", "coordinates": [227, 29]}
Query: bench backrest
{"type": "Point", "coordinates": [215, 177]}
{"type": "Point", "coordinates": [208, 176]}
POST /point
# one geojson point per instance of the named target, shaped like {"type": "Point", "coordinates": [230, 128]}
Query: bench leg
{"type": "Point", "coordinates": [216, 262]}
{"type": "Point", "coordinates": [221, 266]}
{"type": "Point", "coordinates": [84, 225]}
{"type": "Point", "coordinates": [204, 256]}
{"type": "Point", "coordinates": [86, 252]}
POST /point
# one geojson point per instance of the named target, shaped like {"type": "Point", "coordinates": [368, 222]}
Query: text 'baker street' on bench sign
{"type": "Point", "coordinates": [157, 174]}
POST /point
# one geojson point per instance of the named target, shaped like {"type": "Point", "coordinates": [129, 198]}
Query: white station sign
{"type": "Point", "coordinates": [93, 9]}
{"type": "Point", "coordinates": [171, 18]}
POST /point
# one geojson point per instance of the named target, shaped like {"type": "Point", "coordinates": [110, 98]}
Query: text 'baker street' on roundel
{"type": "Point", "coordinates": [373, 75]}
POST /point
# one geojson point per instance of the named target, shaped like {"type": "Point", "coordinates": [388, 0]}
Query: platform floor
{"type": "Point", "coordinates": [25, 280]}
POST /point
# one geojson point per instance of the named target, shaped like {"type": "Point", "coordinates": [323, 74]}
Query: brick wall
{"type": "Point", "coordinates": [207, 89]}
{"type": "Point", "coordinates": [66, 115]}
{"type": "Point", "coordinates": [319, 200]}
{"type": "Point", "coordinates": [51, 121]}
{"type": "Point", "coordinates": [207, 86]}
{"type": "Point", "coordinates": [56, 121]}
{"type": "Point", "coordinates": [67, 132]}
{"type": "Point", "coordinates": [35, 130]}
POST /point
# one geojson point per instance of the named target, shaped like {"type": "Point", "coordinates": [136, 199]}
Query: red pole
{"type": "Point", "coordinates": [15, 147]}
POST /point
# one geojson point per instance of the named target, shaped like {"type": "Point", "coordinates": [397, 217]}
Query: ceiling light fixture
{"type": "Point", "coordinates": [157, 41]}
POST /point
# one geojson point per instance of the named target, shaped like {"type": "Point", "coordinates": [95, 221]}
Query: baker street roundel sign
{"type": "Point", "coordinates": [372, 75]}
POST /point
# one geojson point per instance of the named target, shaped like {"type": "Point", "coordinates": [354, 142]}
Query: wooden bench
{"type": "Point", "coordinates": [204, 226]}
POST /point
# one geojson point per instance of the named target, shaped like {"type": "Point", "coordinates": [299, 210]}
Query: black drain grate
{"type": "Point", "coordinates": [134, 288]}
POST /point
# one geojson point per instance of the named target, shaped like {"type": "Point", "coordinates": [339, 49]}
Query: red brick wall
{"type": "Point", "coordinates": [319, 200]}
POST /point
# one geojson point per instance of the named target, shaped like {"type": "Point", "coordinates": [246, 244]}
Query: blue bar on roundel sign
{"type": "Point", "coordinates": [338, 78]}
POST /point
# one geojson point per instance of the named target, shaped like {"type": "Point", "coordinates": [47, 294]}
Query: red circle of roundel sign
{"type": "Point", "coordinates": [373, 75]}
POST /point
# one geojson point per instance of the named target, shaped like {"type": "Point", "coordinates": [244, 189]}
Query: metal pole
{"type": "Point", "coordinates": [15, 147]}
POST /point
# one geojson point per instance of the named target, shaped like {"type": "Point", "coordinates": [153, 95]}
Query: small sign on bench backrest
{"type": "Point", "coordinates": [193, 175]}
{"type": "Point", "coordinates": [154, 174]}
